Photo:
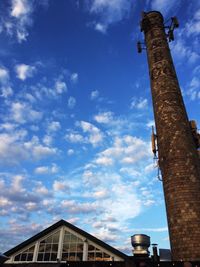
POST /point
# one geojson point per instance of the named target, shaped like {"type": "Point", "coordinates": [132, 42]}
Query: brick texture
{"type": "Point", "coordinates": [178, 157]}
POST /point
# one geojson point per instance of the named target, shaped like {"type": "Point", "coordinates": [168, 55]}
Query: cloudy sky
{"type": "Point", "coordinates": [76, 116]}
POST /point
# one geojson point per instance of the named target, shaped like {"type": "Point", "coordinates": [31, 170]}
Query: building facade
{"type": "Point", "coordinates": [63, 242]}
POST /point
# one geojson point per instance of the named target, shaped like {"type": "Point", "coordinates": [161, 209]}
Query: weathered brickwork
{"type": "Point", "coordinates": [178, 158]}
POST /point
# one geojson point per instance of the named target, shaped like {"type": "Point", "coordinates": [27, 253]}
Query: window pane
{"type": "Point", "coordinates": [66, 238]}
{"type": "Point", "coordinates": [41, 247]}
{"type": "Point", "coordinates": [46, 256]}
{"type": "Point", "coordinates": [73, 238]}
{"type": "Point", "coordinates": [98, 256]}
{"type": "Point", "coordinates": [31, 249]}
{"type": "Point", "coordinates": [17, 257]}
{"type": "Point", "coordinates": [56, 237]}
{"type": "Point", "coordinates": [66, 247]}
{"type": "Point", "coordinates": [72, 256]}
{"type": "Point", "coordinates": [49, 239]}
{"type": "Point", "coordinates": [54, 248]}
{"type": "Point", "coordinates": [65, 256]}
{"type": "Point", "coordinates": [53, 257]}
{"type": "Point", "coordinates": [79, 247]}
{"type": "Point", "coordinates": [40, 257]}
{"type": "Point", "coordinates": [106, 257]}
{"type": "Point", "coordinates": [29, 257]}
{"type": "Point", "coordinates": [91, 248]}
{"type": "Point", "coordinates": [91, 256]}
{"type": "Point", "coordinates": [23, 257]}
{"type": "Point", "coordinates": [72, 247]}
{"type": "Point", "coordinates": [48, 248]}
{"type": "Point", "coordinates": [79, 256]}
{"type": "Point", "coordinates": [79, 240]}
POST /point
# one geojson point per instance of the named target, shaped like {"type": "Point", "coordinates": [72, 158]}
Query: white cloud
{"type": "Point", "coordinates": [11, 148]}
{"type": "Point", "coordinates": [149, 168]}
{"type": "Point", "coordinates": [193, 89]}
{"type": "Point", "coordinates": [70, 152]}
{"type": "Point", "coordinates": [54, 168]}
{"type": "Point", "coordinates": [94, 95]}
{"type": "Point", "coordinates": [105, 117]}
{"type": "Point", "coordinates": [105, 161]}
{"type": "Point", "coordinates": [24, 71]}
{"type": "Point", "coordinates": [4, 202]}
{"type": "Point", "coordinates": [101, 27]}
{"type": "Point", "coordinates": [74, 138]}
{"type": "Point", "coordinates": [47, 169]}
{"type": "Point", "coordinates": [125, 150]}
{"type": "Point", "coordinates": [4, 75]}
{"type": "Point", "coordinates": [182, 52]}
{"type": "Point", "coordinates": [78, 208]}
{"type": "Point", "coordinates": [109, 12]}
{"type": "Point", "coordinates": [22, 113]}
{"type": "Point", "coordinates": [17, 183]}
{"type": "Point", "coordinates": [103, 193]}
{"type": "Point", "coordinates": [54, 126]}
{"type": "Point", "coordinates": [31, 206]}
{"type": "Point", "coordinates": [20, 19]}
{"type": "Point", "coordinates": [60, 86]}
{"type": "Point", "coordinates": [156, 230]}
{"type": "Point", "coordinates": [5, 89]}
{"type": "Point", "coordinates": [19, 8]}
{"type": "Point", "coordinates": [91, 134]}
{"type": "Point", "coordinates": [47, 140]}
{"type": "Point", "coordinates": [150, 124]}
{"type": "Point", "coordinates": [42, 170]}
{"type": "Point", "coordinates": [8, 126]}
{"type": "Point", "coordinates": [164, 6]}
{"type": "Point", "coordinates": [140, 103]}
{"type": "Point", "coordinates": [61, 186]}
{"type": "Point", "coordinates": [37, 150]}
{"type": "Point", "coordinates": [123, 201]}
{"type": "Point", "coordinates": [71, 102]}
{"type": "Point", "coordinates": [74, 77]}
{"type": "Point", "coordinates": [95, 136]}
{"type": "Point", "coordinates": [193, 26]}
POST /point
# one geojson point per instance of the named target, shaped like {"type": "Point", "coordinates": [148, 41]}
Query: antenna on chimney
{"type": "Point", "coordinates": [174, 24]}
{"type": "Point", "coordinates": [140, 47]}
{"type": "Point", "coordinates": [153, 143]}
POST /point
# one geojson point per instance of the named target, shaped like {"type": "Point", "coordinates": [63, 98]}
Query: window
{"type": "Point", "coordinates": [95, 254]}
{"type": "Point", "coordinates": [72, 248]}
{"type": "Point", "coordinates": [48, 248]}
{"type": "Point", "coordinates": [26, 255]}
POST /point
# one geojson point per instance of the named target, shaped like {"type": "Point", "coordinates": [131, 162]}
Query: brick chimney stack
{"type": "Point", "coordinates": [178, 157]}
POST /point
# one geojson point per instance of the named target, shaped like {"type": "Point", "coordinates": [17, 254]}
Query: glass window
{"type": "Point", "coordinates": [96, 254]}
{"type": "Point", "coordinates": [48, 248]}
{"type": "Point", "coordinates": [26, 255]}
{"type": "Point", "coordinates": [91, 248]}
{"type": "Point", "coordinates": [72, 248]}
{"type": "Point", "coordinates": [106, 257]}
{"type": "Point", "coordinates": [17, 257]}
{"type": "Point", "coordinates": [91, 256]}
{"type": "Point", "coordinates": [64, 256]}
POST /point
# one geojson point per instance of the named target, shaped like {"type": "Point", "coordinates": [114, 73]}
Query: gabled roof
{"type": "Point", "coordinates": [72, 227]}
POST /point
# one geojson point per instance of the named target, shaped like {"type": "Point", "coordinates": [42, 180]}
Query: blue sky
{"type": "Point", "coordinates": [76, 116]}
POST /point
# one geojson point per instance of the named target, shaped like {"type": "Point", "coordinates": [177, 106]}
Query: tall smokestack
{"type": "Point", "coordinates": [178, 157]}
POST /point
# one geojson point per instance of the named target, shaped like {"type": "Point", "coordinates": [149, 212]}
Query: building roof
{"type": "Point", "coordinates": [73, 228]}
